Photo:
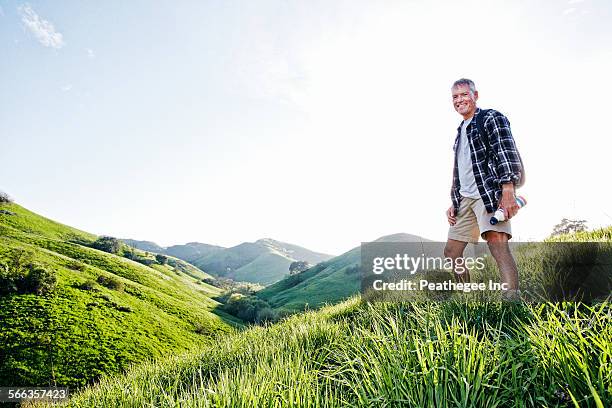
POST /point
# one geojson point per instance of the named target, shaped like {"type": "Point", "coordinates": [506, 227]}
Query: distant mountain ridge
{"type": "Point", "coordinates": [264, 261]}
{"type": "Point", "coordinates": [187, 252]}
{"type": "Point", "coordinates": [145, 245]}
{"type": "Point", "coordinates": [328, 282]}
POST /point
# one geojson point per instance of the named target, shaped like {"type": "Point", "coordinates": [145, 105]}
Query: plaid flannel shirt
{"type": "Point", "coordinates": [504, 164]}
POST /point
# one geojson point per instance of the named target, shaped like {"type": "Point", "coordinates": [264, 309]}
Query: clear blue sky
{"type": "Point", "coordinates": [318, 123]}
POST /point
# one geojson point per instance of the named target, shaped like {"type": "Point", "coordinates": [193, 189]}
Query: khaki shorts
{"type": "Point", "coordinates": [473, 221]}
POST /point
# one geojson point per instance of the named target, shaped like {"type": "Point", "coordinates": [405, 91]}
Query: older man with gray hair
{"type": "Point", "coordinates": [486, 170]}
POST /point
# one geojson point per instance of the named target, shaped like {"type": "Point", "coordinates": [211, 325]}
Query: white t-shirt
{"type": "Point", "coordinates": [464, 165]}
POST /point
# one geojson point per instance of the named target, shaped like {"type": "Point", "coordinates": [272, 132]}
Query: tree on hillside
{"type": "Point", "coordinates": [161, 259]}
{"type": "Point", "coordinates": [251, 309]}
{"type": "Point", "coordinates": [107, 244]}
{"type": "Point", "coordinates": [298, 266]}
{"type": "Point", "coordinates": [129, 253]}
{"type": "Point", "coordinates": [5, 198]}
{"type": "Point", "coordinates": [567, 226]}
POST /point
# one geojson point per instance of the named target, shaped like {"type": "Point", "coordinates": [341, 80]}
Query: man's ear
{"type": "Point", "coordinates": [475, 95]}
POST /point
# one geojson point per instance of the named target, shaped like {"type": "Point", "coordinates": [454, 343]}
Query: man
{"type": "Point", "coordinates": [487, 167]}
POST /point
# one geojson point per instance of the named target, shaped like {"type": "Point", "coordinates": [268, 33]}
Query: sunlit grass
{"type": "Point", "coordinates": [413, 354]}
{"type": "Point", "coordinates": [389, 354]}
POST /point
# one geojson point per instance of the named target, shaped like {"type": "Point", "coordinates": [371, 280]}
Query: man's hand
{"type": "Point", "coordinates": [508, 200]}
{"type": "Point", "coordinates": [450, 214]}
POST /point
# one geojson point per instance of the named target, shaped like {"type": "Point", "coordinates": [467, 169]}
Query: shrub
{"type": "Point", "coordinates": [30, 279]}
{"type": "Point", "coordinates": [107, 244]}
{"type": "Point", "coordinates": [40, 280]}
{"type": "Point", "coordinates": [89, 284]}
{"type": "Point", "coordinates": [110, 282]}
{"type": "Point", "coordinates": [199, 328]}
{"type": "Point", "coordinates": [248, 308]}
{"type": "Point", "coordinates": [5, 198]}
{"type": "Point", "coordinates": [129, 253]}
{"type": "Point", "coordinates": [8, 283]}
{"type": "Point", "coordinates": [134, 291]}
{"type": "Point", "coordinates": [121, 308]}
{"type": "Point", "coordinates": [21, 275]}
{"type": "Point", "coordinates": [298, 266]}
{"type": "Point", "coordinates": [76, 265]}
{"type": "Point", "coordinates": [161, 259]}
{"type": "Point", "coordinates": [211, 281]}
{"type": "Point", "coordinates": [19, 261]}
{"type": "Point", "coordinates": [145, 261]}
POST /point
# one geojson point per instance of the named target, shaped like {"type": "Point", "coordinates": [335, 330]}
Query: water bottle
{"type": "Point", "coordinates": [500, 215]}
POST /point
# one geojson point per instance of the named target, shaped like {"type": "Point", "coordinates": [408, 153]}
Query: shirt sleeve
{"type": "Point", "coordinates": [506, 158]}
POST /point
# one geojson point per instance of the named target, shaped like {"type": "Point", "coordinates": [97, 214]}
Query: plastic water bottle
{"type": "Point", "coordinates": [500, 215]}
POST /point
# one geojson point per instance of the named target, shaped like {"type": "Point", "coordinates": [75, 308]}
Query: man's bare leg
{"type": "Point", "coordinates": [498, 245]}
{"type": "Point", "coordinates": [454, 249]}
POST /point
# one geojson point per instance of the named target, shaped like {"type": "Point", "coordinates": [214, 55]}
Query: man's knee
{"type": "Point", "coordinates": [454, 249]}
{"type": "Point", "coordinates": [447, 252]}
{"type": "Point", "coordinates": [495, 237]}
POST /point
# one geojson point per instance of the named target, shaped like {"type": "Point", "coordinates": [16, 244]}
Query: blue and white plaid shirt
{"type": "Point", "coordinates": [504, 163]}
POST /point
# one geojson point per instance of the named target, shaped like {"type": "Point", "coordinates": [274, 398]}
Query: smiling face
{"type": "Point", "coordinates": [464, 100]}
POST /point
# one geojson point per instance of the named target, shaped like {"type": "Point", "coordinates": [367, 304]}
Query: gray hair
{"type": "Point", "coordinates": [465, 81]}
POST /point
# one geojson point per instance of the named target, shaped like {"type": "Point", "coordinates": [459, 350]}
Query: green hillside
{"type": "Point", "coordinates": [264, 261]}
{"type": "Point", "coordinates": [263, 269]}
{"type": "Point", "coordinates": [148, 246]}
{"type": "Point", "coordinates": [327, 282]}
{"type": "Point", "coordinates": [413, 354]}
{"type": "Point", "coordinates": [418, 354]}
{"type": "Point", "coordinates": [192, 250]}
{"type": "Point", "coordinates": [188, 252]}
{"type": "Point", "coordinates": [92, 312]}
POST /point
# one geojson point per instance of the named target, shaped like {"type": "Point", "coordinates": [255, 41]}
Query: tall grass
{"type": "Point", "coordinates": [447, 354]}
{"type": "Point", "coordinates": [389, 354]}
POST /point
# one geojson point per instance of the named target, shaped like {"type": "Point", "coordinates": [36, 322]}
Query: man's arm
{"type": "Point", "coordinates": [505, 154]}
{"type": "Point", "coordinates": [507, 161]}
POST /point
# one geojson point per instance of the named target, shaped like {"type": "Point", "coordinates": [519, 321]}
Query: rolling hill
{"type": "Point", "coordinates": [70, 313]}
{"type": "Point", "coordinates": [357, 353]}
{"type": "Point", "coordinates": [328, 282]}
{"type": "Point", "coordinates": [264, 261]}
{"type": "Point", "coordinates": [187, 252]}
{"type": "Point", "coordinates": [148, 246]}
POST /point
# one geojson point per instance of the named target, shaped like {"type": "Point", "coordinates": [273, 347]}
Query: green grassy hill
{"type": "Point", "coordinates": [105, 312]}
{"type": "Point", "coordinates": [148, 246]}
{"type": "Point", "coordinates": [327, 282]}
{"type": "Point", "coordinates": [192, 251]}
{"type": "Point", "coordinates": [188, 252]}
{"type": "Point", "coordinates": [412, 354]}
{"type": "Point", "coordinates": [264, 261]}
